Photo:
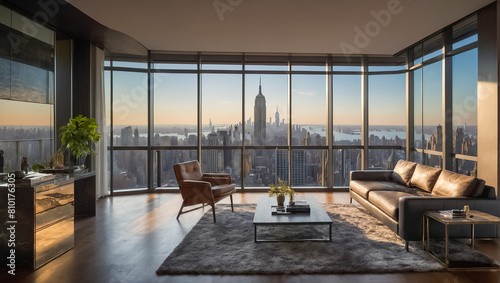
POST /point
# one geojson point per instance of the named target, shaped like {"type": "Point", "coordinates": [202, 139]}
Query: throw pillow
{"type": "Point", "coordinates": [452, 184]}
{"type": "Point", "coordinates": [403, 171]}
{"type": "Point", "coordinates": [425, 177]}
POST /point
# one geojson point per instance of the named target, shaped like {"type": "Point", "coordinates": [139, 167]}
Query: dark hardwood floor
{"type": "Point", "coordinates": [132, 235]}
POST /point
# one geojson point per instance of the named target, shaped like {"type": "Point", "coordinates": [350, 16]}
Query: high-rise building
{"type": "Point", "coordinates": [459, 140]}
{"type": "Point", "coordinates": [281, 165]}
{"type": "Point", "coordinates": [210, 126]}
{"type": "Point", "coordinates": [439, 137]}
{"type": "Point", "coordinates": [213, 159]}
{"type": "Point", "coordinates": [260, 118]}
{"type": "Point", "coordinates": [136, 136]}
{"type": "Point", "coordinates": [277, 118]}
{"type": "Point", "coordinates": [298, 166]}
{"type": "Point", "coordinates": [126, 136]}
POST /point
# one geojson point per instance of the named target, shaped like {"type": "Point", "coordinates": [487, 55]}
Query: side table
{"type": "Point", "coordinates": [473, 218]}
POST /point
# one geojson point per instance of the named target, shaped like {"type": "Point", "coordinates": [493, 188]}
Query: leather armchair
{"type": "Point", "coordinates": [202, 188]}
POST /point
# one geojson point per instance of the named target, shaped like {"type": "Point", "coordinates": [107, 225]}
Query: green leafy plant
{"type": "Point", "coordinates": [281, 189]}
{"type": "Point", "coordinates": [79, 134]}
{"type": "Point", "coordinates": [37, 167]}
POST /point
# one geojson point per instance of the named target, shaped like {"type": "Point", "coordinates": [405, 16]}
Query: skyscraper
{"type": "Point", "coordinates": [126, 136]}
{"type": "Point", "coordinates": [298, 166]}
{"type": "Point", "coordinates": [277, 118]}
{"type": "Point", "coordinates": [260, 118]}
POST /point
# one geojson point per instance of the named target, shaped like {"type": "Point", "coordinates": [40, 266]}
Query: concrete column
{"type": "Point", "coordinates": [487, 91]}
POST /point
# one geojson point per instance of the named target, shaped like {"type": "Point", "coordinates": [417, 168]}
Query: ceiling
{"type": "Point", "coordinates": [282, 26]}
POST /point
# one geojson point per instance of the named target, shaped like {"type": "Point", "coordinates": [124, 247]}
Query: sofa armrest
{"type": "Point", "coordinates": [371, 175]}
{"type": "Point", "coordinates": [411, 211]}
{"type": "Point", "coordinates": [217, 179]}
{"type": "Point", "coordinates": [194, 192]}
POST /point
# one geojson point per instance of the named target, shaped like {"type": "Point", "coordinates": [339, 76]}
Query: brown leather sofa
{"type": "Point", "coordinates": [399, 197]}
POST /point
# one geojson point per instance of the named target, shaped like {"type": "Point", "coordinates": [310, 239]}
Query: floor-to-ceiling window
{"type": "Point", "coordinates": [347, 120]}
{"type": "Point", "coordinates": [309, 123]}
{"type": "Point", "coordinates": [265, 159]}
{"type": "Point", "coordinates": [429, 75]}
{"type": "Point", "coordinates": [26, 92]}
{"type": "Point", "coordinates": [387, 129]}
{"type": "Point", "coordinates": [309, 120]}
{"type": "Point", "coordinates": [129, 96]}
{"type": "Point", "coordinates": [464, 88]}
{"type": "Point", "coordinates": [221, 112]}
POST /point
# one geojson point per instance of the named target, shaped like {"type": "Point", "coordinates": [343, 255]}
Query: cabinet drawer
{"type": "Point", "coordinates": [54, 240]}
{"type": "Point", "coordinates": [53, 205]}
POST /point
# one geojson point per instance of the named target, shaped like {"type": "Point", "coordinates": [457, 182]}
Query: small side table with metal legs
{"type": "Point", "coordinates": [474, 217]}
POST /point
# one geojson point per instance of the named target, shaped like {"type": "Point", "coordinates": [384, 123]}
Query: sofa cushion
{"type": "Point", "coordinates": [223, 189]}
{"type": "Point", "coordinates": [387, 201]}
{"type": "Point", "coordinates": [424, 177]}
{"type": "Point", "coordinates": [452, 184]}
{"type": "Point", "coordinates": [403, 171]}
{"type": "Point", "coordinates": [418, 192]}
{"type": "Point", "coordinates": [479, 189]}
{"type": "Point", "coordinates": [362, 188]}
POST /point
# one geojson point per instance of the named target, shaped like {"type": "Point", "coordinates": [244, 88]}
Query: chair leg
{"type": "Point", "coordinates": [213, 211]}
{"type": "Point", "coordinates": [180, 211]}
{"type": "Point", "coordinates": [232, 208]}
{"type": "Point", "coordinates": [407, 244]}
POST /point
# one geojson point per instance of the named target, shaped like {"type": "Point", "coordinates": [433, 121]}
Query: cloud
{"type": "Point", "coordinates": [306, 93]}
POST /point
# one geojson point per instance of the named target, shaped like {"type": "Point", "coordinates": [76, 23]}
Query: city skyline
{"type": "Point", "coordinates": [223, 92]}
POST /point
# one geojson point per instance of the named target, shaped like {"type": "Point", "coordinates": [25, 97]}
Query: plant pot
{"type": "Point", "coordinates": [81, 161]}
{"type": "Point", "coordinates": [280, 200]}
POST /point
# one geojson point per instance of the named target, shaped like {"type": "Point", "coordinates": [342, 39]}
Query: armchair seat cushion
{"type": "Point", "coordinates": [363, 188]}
{"type": "Point", "coordinates": [224, 189]}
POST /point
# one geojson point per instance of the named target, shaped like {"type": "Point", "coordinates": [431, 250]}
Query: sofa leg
{"type": "Point", "coordinates": [232, 208]}
{"type": "Point", "coordinates": [213, 211]}
{"type": "Point", "coordinates": [407, 245]}
{"type": "Point", "coordinates": [350, 200]}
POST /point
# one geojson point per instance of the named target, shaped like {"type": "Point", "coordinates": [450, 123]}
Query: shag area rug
{"type": "Point", "coordinates": [360, 244]}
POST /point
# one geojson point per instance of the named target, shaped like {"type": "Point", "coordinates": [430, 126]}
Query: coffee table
{"type": "Point", "coordinates": [318, 216]}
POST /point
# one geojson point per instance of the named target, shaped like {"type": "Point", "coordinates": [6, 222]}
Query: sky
{"type": "Point", "coordinates": [176, 94]}
{"type": "Point", "coordinates": [175, 98]}
{"type": "Point", "coordinates": [25, 113]}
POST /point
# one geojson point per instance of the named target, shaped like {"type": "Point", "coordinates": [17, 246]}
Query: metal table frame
{"type": "Point", "coordinates": [317, 216]}
{"type": "Point", "coordinates": [329, 239]}
{"type": "Point", "coordinates": [478, 217]}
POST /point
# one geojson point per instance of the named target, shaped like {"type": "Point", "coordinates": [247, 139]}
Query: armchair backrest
{"type": "Point", "coordinates": [190, 170]}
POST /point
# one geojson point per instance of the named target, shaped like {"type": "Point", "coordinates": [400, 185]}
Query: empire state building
{"type": "Point", "coordinates": [259, 129]}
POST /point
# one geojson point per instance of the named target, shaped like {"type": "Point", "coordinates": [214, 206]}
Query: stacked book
{"type": "Point", "coordinates": [279, 210]}
{"type": "Point", "coordinates": [300, 206]}
{"type": "Point", "coordinates": [454, 213]}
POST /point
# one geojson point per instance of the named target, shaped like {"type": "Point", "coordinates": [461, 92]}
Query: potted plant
{"type": "Point", "coordinates": [280, 191]}
{"type": "Point", "coordinates": [78, 136]}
